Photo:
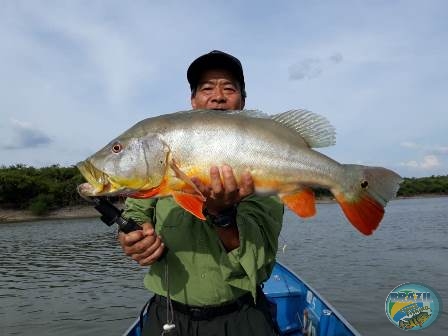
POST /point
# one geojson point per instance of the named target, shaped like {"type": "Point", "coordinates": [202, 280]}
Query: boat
{"type": "Point", "coordinates": [301, 311]}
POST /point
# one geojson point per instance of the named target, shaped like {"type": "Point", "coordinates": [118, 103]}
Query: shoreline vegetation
{"type": "Point", "coordinates": [31, 194]}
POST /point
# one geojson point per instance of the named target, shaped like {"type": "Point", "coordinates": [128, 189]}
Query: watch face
{"type": "Point", "coordinates": [221, 220]}
{"type": "Point", "coordinates": [224, 224]}
{"type": "Point", "coordinates": [224, 219]}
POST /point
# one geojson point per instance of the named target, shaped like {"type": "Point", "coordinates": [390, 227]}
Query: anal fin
{"type": "Point", "coordinates": [302, 202]}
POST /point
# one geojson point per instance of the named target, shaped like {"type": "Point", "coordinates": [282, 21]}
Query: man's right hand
{"type": "Point", "coordinates": [143, 246]}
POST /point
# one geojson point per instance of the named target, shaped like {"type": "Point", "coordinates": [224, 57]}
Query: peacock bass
{"type": "Point", "coordinates": [158, 156]}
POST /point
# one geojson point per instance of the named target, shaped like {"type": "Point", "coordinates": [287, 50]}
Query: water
{"type": "Point", "coordinates": [70, 277]}
{"type": "Point", "coordinates": [66, 277]}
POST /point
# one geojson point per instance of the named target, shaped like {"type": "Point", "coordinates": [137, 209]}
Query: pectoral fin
{"type": "Point", "coordinates": [190, 202]}
{"type": "Point", "coordinates": [302, 202]}
{"type": "Point", "coordinates": [182, 176]}
{"type": "Point", "coordinates": [161, 190]}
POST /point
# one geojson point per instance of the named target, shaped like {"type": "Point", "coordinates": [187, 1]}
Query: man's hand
{"type": "Point", "coordinates": [144, 246]}
{"type": "Point", "coordinates": [224, 191]}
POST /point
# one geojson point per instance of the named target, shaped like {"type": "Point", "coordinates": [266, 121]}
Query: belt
{"type": "Point", "coordinates": [206, 312]}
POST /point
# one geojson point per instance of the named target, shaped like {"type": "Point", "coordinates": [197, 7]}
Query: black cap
{"type": "Point", "coordinates": [215, 60]}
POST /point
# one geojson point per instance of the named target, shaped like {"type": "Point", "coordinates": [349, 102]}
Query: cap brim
{"type": "Point", "coordinates": [214, 61]}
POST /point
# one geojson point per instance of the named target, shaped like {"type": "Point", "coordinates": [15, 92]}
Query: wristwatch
{"type": "Point", "coordinates": [224, 219]}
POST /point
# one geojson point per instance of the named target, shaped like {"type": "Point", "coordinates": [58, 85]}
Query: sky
{"type": "Point", "coordinates": [76, 74]}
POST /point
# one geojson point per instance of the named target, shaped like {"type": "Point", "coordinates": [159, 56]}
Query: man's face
{"type": "Point", "coordinates": [217, 90]}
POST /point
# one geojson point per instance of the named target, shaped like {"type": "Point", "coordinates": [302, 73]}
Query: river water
{"type": "Point", "coordinates": [70, 277]}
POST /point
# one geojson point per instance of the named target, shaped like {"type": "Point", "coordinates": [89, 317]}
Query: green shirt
{"type": "Point", "coordinates": [201, 272]}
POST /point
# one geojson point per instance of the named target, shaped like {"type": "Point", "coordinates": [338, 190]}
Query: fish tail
{"type": "Point", "coordinates": [363, 194]}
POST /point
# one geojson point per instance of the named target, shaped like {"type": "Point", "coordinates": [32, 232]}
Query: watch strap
{"type": "Point", "coordinates": [225, 218]}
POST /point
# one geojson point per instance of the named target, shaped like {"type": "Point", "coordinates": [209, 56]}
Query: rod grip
{"type": "Point", "coordinates": [110, 214]}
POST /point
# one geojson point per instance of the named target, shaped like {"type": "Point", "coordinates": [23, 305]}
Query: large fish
{"type": "Point", "coordinates": [158, 156]}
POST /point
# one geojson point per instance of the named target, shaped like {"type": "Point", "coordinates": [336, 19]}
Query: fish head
{"type": "Point", "coordinates": [125, 165]}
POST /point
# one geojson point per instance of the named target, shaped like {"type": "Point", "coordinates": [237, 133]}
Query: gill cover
{"type": "Point", "coordinates": [132, 163]}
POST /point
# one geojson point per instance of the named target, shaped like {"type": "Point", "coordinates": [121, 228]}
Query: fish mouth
{"type": "Point", "coordinates": [98, 182]}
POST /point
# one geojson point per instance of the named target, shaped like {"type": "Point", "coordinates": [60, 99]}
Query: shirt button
{"type": "Point", "coordinates": [203, 275]}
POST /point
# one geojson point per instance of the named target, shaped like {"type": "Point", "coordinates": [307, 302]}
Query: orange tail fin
{"type": "Point", "coordinates": [364, 192]}
{"type": "Point", "coordinates": [365, 213]}
{"type": "Point", "coordinates": [302, 203]}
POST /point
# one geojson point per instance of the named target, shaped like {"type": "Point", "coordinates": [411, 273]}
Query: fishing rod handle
{"type": "Point", "coordinates": [127, 225]}
{"type": "Point", "coordinates": [111, 214]}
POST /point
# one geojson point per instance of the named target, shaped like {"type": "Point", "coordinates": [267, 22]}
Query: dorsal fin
{"type": "Point", "coordinates": [315, 129]}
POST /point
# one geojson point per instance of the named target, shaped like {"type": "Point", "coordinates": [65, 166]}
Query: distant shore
{"type": "Point", "coordinates": [87, 211]}
{"type": "Point", "coordinates": [81, 211]}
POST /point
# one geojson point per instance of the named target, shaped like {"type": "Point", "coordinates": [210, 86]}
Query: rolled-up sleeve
{"type": "Point", "coordinates": [259, 221]}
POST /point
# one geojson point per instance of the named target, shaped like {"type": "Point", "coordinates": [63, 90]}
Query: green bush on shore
{"type": "Point", "coordinates": [42, 204]}
{"type": "Point", "coordinates": [39, 189]}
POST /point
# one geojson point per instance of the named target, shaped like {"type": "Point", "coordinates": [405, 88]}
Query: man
{"type": "Point", "coordinates": [206, 274]}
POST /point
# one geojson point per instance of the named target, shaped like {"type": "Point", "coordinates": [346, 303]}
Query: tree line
{"type": "Point", "coordinates": [44, 189]}
{"type": "Point", "coordinates": [39, 189]}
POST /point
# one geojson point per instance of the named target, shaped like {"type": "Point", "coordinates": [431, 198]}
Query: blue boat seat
{"type": "Point", "coordinates": [286, 294]}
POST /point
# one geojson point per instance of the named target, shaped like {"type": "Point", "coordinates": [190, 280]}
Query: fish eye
{"type": "Point", "coordinates": [117, 147]}
{"type": "Point", "coordinates": [364, 184]}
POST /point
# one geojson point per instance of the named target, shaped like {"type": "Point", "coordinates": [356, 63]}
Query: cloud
{"type": "Point", "coordinates": [428, 162]}
{"type": "Point", "coordinates": [410, 145]}
{"type": "Point", "coordinates": [434, 149]}
{"type": "Point", "coordinates": [430, 156]}
{"type": "Point", "coordinates": [441, 149]}
{"type": "Point", "coordinates": [306, 69]}
{"type": "Point", "coordinates": [26, 136]}
{"type": "Point", "coordinates": [312, 67]}
{"type": "Point", "coordinates": [336, 58]}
